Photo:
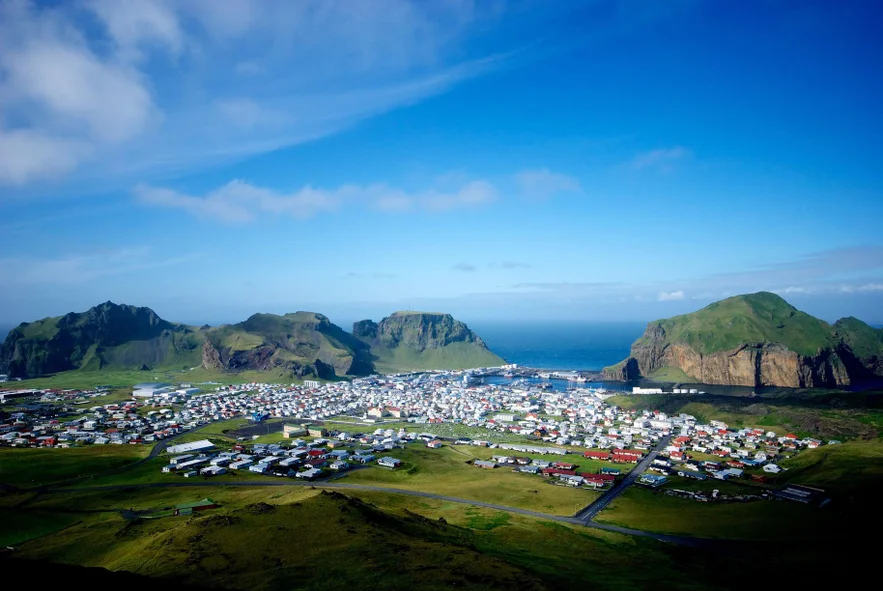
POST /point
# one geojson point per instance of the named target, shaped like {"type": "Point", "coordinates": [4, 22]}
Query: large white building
{"type": "Point", "coordinates": [151, 389]}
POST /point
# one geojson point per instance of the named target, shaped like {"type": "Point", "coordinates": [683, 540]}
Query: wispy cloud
{"type": "Point", "coordinates": [863, 288]}
{"type": "Point", "coordinates": [670, 296]}
{"type": "Point", "coordinates": [662, 160]}
{"type": "Point", "coordinates": [124, 84]}
{"type": "Point", "coordinates": [79, 268]}
{"type": "Point", "coordinates": [465, 268]}
{"type": "Point", "coordinates": [543, 183]}
{"type": "Point", "coordinates": [239, 201]}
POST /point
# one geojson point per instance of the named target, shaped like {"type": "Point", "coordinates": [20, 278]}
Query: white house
{"type": "Point", "coordinates": [389, 462]}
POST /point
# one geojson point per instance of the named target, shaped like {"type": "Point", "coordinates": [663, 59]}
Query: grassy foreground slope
{"type": "Point", "coordinates": [33, 467]}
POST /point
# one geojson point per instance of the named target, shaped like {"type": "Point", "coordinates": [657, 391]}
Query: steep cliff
{"type": "Point", "coordinates": [106, 336]}
{"type": "Point", "coordinates": [756, 340]}
{"type": "Point", "coordinates": [423, 340]}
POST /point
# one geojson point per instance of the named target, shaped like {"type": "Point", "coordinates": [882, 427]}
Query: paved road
{"type": "Point", "coordinates": [584, 517]}
{"type": "Point", "coordinates": [588, 514]}
{"type": "Point", "coordinates": [681, 540]}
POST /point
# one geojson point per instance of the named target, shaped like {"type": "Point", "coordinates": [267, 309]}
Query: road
{"type": "Point", "coordinates": [588, 514]}
{"type": "Point", "coordinates": [681, 540]}
{"type": "Point", "coordinates": [585, 517]}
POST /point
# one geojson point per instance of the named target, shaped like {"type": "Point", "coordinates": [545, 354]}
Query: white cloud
{"type": "Point", "coordinates": [792, 289]}
{"type": "Point", "coordinates": [543, 183]}
{"type": "Point", "coordinates": [662, 160]}
{"type": "Point", "coordinates": [863, 288]}
{"type": "Point", "coordinates": [59, 101]}
{"type": "Point", "coordinates": [239, 201]}
{"type": "Point", "coordinates": [140, 23]}
{"type": "Point", "coordinates": [472, 194]}
{"type": "Point", "coordinates": [465, 268]}
{"type": "Point", "coordinates": [152, 85]}
{"type": "Point", "coordinates": [670, 296]}
{"type": "Point", "coordinates": [26, 154]}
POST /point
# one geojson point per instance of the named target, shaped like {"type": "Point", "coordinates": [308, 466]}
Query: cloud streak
{"type": "Point", "coordinates": [125, 83]}
{"type": "Point", "coordinates": [662, 160]}
{"type": "Point", "coordinates": [241, 202]}
{"type": "Point", "coordinates": [670, 296]}
{"type": "Point", "coordinates": [543, 183]}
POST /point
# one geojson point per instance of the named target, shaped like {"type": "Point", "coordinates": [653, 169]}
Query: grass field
{"type": "Point", "coordinates": [445, 471]}
{"type": "Point", "coordinates": [670, 374]}
{"type": "Point", "coordinates": [827, 416]}
{"type": "Point", "coordinates": [756, 520]}
{"type": "Point", "coordinates": [851, 473]}
{"type": "Point", "coordinates": [273, 539]}
{"type": "Point", "coordinates": [18, 526]}
{"type": "Point", "coordinates": [30, 467]}
{"type": "Point", "coordinates": [126, 378]}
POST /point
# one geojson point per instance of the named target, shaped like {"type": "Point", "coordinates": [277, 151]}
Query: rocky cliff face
{"type": "Point", "coordinates": [752, 364]}
{"type": "Point", "coordinates": [827, 357]}
{"type": "Point", "coordinates": [417, 330]}
{"type": "Point", "coordinates": [265, 359]}
{"type": "Point", "coordinates": [423, 340]}
{"type": "Point", "coordinates": [303, 343]}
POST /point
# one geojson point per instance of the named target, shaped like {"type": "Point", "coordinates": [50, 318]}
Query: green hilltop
{"type": "Point", "coordinates": [107, 335]}
{"type": "Point", "coordinates": [752, 318]}
{"type": "Point", "coordinates": [755, 339]}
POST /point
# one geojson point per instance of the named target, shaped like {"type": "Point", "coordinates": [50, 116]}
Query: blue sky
{"type": "Point", "coordinates": [569, 161]}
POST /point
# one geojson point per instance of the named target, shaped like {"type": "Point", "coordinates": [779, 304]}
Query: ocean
{"type": "Point", "coordinates": [583, 346]}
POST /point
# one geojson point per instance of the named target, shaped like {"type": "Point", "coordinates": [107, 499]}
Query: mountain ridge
{"type": "Point", "coordinates": [301, 343]}
{"type": "Point", "coordinates": [756, 340]}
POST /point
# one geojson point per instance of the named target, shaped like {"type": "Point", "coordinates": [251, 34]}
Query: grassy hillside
{"type": "Point", "coordinates": [32, 467]}
{"type": "Point", "coordinates": [864, 341]}
{"type": "Point", "coordinates": [453, 356]}
{"type": "Point", "coordinates": [758, 317]}
{"type": "Point", "coordinates": [106, 336]}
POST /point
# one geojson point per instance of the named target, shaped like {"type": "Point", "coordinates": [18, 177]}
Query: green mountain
{"type": "Point", "coordinates": [407, 341]}
{"type": "Point", "coordinates": [108, 335]}
{"type": "Point", "coordinates": [755, 340]}
{"type": "Point", "coordinates": [304, 343]}
{"type": "Point", "coordinates": [301, 343]}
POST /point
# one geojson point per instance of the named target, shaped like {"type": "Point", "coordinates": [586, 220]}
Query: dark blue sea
{"type": "Point", "coordinates": [560, 345]}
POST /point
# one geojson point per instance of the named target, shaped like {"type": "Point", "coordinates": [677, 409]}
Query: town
{"type": "Point", "coordinates": [522, 422]}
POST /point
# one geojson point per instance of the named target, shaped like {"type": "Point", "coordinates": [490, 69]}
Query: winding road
{"type": "Point", "coordinates": [589, 513]}
{"type": "Point", "coordinates": [585, 517]}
